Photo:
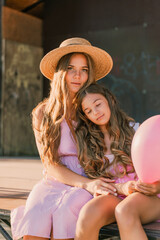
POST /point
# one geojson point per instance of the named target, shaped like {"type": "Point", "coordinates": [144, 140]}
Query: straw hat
{"type": "Point", "coordinates": [102, 60]}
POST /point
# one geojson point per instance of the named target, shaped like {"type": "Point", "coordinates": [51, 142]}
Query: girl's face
{"type": "Point", "coordinates": [77, 73]}
{"type": "Point", "coordinates": [96, 108]}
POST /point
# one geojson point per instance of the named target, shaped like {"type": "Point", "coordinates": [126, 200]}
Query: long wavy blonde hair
{"type": "Point", "coordinates": [90, 139]}
{"type": "Point", "coordinates": [56, 108]}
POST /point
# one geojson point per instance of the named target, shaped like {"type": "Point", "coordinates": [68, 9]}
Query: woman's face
{"type": "Point", "coordinates": [77, 73]}
{"type": "Point", "coordinates": [96, 108]}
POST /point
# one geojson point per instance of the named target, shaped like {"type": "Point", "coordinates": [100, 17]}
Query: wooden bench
{"type": "Point", "coordinates": [152, 230]}
{"type": "Point", "coordinates": [6, 205]}
{"type": "Point", "coordinates": [5, 220]}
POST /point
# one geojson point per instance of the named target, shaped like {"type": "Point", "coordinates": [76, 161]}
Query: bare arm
{"type": "Point", "coordinates": [94, 186]}
{"type": "Point", "coordinates": [60, 172]}
{"type": "Point", "coordinates": [66, 176]}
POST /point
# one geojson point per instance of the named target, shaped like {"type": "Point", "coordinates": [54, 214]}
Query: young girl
{"type": "Point", "coordinates": [53, 205]}
{"type": "Point", "coordinates": [104, 133]}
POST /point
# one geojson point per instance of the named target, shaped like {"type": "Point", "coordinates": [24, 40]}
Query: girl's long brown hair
{"type": "Point", "coordinates": [55, 109]}
{"type": "Point", "coordinates": [90, 139]}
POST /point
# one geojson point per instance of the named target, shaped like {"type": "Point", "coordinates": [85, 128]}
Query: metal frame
{"type": "Point", "coordinates": [5, 220]}
{"type": "Point", "coordinates": [32, 6]}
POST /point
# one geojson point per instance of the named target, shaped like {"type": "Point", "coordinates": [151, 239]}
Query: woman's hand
{"type": "Point", "coordinates": [148, 188]}
{"type": "Point", "coordinates": [101, 186]}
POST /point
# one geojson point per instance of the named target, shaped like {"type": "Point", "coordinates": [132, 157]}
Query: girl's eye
{"type": "Point", "coordinates": [98, 104]}
{"type": "Point", "coordinates": [89, 112]}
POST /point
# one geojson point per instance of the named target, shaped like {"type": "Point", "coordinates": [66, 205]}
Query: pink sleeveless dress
{"type": "Point", "coordinates": [52, 205]}
{"type": "Point", "coordinates": [123, 179]}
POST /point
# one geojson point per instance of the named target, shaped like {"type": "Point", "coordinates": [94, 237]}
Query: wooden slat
{"type": "Point", "coordinates": [151, 229]}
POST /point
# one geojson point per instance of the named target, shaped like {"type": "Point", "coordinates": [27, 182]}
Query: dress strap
{"type": "Point", "coordinates": [71, 128]}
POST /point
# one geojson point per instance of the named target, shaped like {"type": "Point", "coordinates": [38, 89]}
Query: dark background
{"type": "Point", "coordinates": [128, 30]}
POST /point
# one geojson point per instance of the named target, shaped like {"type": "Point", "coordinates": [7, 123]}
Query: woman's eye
{"type": "Point", "coordinates": [85, 69]}
{"type": "Point", "coordinates": [98, 104]}
{"type": "Point", "coordinates": [69, 68]}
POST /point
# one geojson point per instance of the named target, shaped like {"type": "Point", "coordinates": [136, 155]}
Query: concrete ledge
{"type": "Point", "coordinates": [20, 173]}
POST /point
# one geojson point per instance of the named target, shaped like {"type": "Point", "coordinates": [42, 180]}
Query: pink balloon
{"type": "Point", "coordinates": [145, 150]}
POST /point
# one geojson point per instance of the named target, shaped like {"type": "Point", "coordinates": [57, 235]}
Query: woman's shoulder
{"type": "Point", "coordinates": [38, 113]}
{"type": "Point", "coordinates": [39, 110]}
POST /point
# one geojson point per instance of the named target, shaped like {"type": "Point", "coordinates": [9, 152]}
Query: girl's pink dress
{"type": "Point", "coordinates": [52, 205]}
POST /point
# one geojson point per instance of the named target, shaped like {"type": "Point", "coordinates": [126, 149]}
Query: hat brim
{"type": "Point", "coordinates": [102, 60]}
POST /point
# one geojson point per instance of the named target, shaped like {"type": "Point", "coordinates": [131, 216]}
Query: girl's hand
{"type": "Point", "coordinates": [148, 188]}
{"type": "Point", "coordinates": [101, 186]}
{"type": "Point", "coordinates": [126, 188]}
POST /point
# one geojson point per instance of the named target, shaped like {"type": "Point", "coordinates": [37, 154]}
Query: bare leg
{"type": "Point", "coordinates": [133, 211]}
{"type": "Point", "coordinates": [96, 213]}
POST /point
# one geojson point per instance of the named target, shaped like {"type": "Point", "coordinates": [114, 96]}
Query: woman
{"type": "Point", "coordinates": [54, 203]}
{"type": "Point", "coordinates": [104, 133]}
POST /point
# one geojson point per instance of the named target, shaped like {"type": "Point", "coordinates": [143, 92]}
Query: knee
{"type": "Point", "coordinates": [125, 214]}
{"type": "Point", "coordinates": [89, 217]}
{"type": "Point", "coordinates": [119, 211]}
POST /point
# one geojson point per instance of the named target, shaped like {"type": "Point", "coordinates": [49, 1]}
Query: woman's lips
{"type": "Point", "coordinates": [75, 83]}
